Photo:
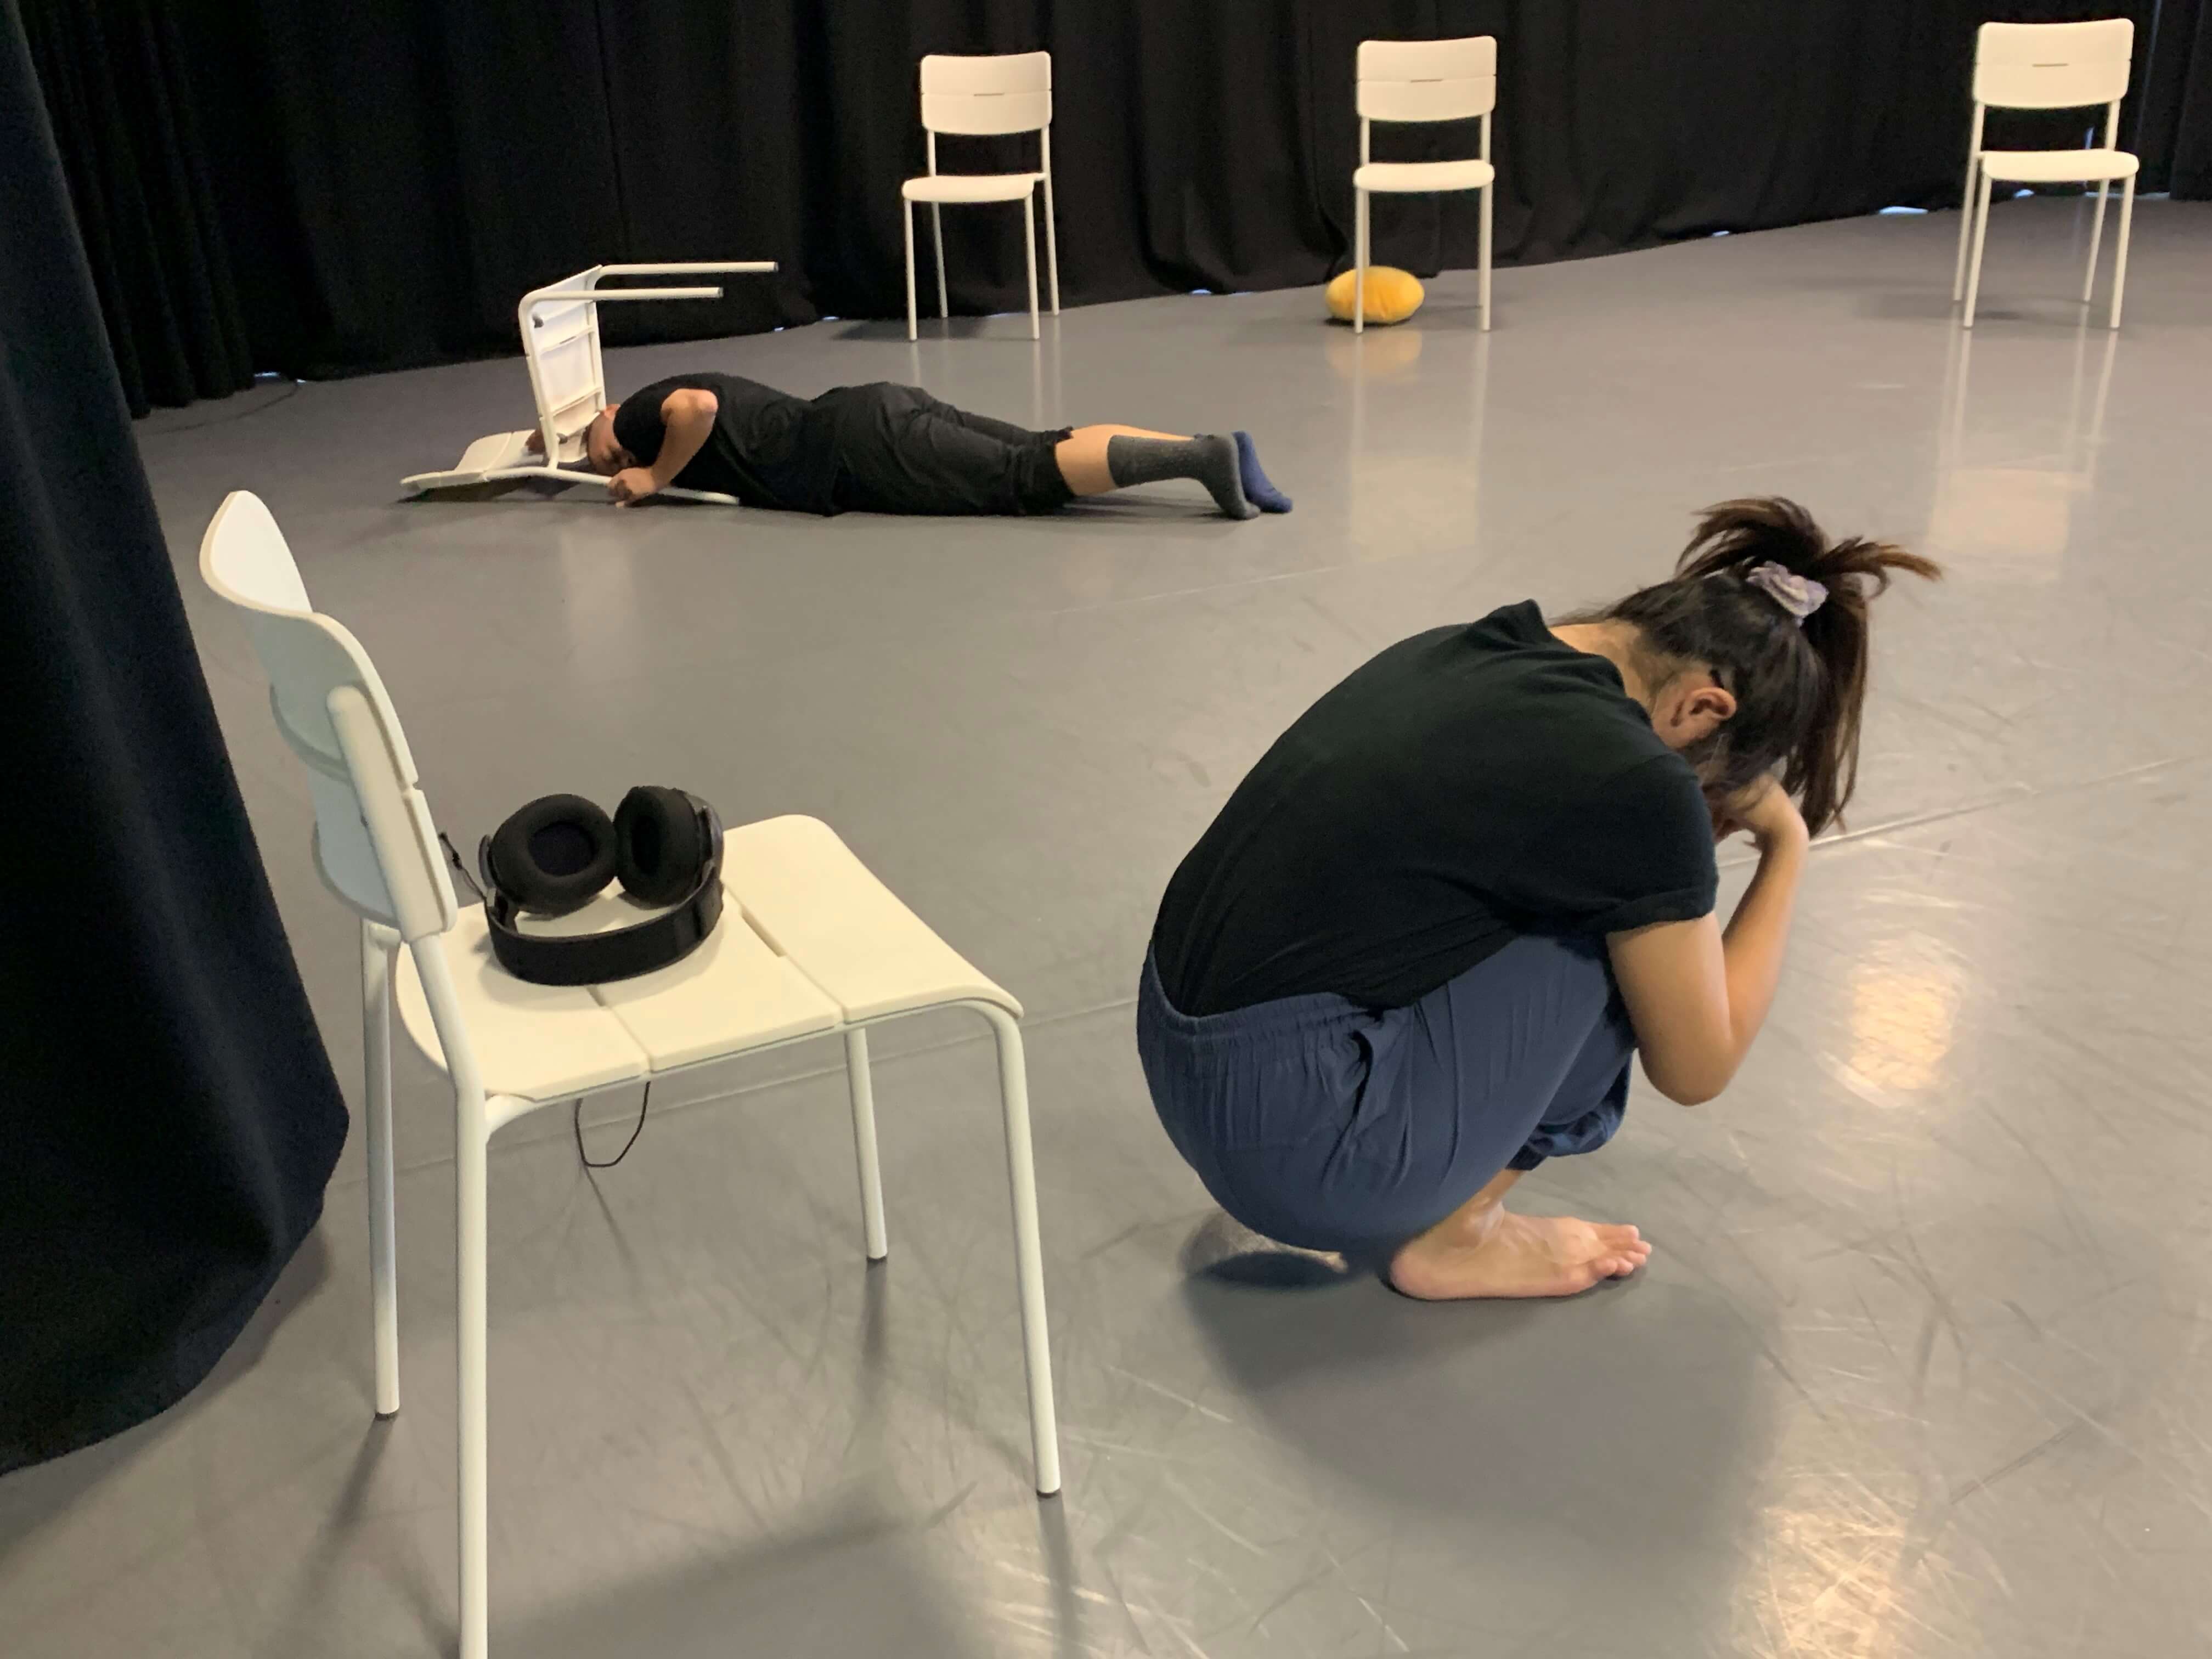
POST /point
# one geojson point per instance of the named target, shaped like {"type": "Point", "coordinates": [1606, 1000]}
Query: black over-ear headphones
{"type": "Point", "coordinates": [555, 855]}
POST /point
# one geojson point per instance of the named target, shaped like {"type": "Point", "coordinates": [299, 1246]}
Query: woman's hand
{"type": "Point", "coordinates": [632, 484]}
{"type": "Point", "coordinates": [1764, 812]}
{"type": "Point", "coordinates": [1773, 819]}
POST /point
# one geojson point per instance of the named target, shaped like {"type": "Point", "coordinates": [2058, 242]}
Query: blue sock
{"type": "Point", "coordinates": [1257, 490]}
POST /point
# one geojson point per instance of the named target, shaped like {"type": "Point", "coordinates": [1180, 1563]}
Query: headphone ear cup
{"type": "Point", "coordinates": [705, 809]}
{"type": "Point", "coordinates": [553, 855]}
{"type": "Point", "coordinates": [659, 849]}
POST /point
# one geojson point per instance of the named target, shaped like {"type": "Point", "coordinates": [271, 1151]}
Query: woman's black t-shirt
{"type": "Point", "coordinates": [1467, 786]}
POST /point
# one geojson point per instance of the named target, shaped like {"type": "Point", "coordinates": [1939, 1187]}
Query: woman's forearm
{"type": "Point", "coordinates": [1757, 934]}
{"type": "Point", "coordinates": [1697, 993]}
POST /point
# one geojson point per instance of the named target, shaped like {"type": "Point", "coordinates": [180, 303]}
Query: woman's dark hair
{"type": "Point", "coordinates": [1799, 689]}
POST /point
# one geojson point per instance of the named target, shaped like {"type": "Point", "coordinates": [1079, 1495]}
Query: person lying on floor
{"type": "Point", "coordinates": [1415, 952]}
{"type": "Point", "coordinates": [888, 448]}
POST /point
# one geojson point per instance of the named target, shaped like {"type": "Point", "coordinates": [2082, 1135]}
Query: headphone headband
{"type": "Point", "coordinates": [624, 952]}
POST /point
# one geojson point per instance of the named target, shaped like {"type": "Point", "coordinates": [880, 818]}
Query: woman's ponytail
{"type": "Point", "coordinates": [1824, 769]}
{"type": "Point", "coordinates": [1779, 614]}
{"type": "Point", "coordinates": [1735, 538]}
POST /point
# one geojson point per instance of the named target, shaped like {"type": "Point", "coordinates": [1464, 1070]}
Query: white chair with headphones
{"type": "Point", "coordinates": [809, 944]}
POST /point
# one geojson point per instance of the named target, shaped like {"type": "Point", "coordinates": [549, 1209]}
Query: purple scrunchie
{"type": "Point", "coordinates": [1801, 596]}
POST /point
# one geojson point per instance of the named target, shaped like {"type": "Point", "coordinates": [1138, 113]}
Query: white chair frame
{"type": "Point", "coordinates": [2049, 66]}
{"type": "Point", "coordinates": [377, 850]}
{"type": "Point", "coordinates": [993, 96]}
{"type": "Point", "coordinates": [1422, 81]}
{"type": "Point", "coordinates": [560, 326]}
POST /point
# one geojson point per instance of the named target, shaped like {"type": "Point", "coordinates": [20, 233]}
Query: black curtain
{"type": "Point", "coordinates": [2173, 99]}
{"type": "Point", "coordinates": [167, 1115]}
{"type": "Point", "coordinates": [126, 118]}
{"type": "Point", "coordinates": [388, 177]}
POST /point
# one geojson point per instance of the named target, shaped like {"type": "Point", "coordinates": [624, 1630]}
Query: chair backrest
{"type": "Point", "coordinates": [981, 97]}
{"type": "Point", "coordinates": [560, 343]}
{"type": "Point", "coordinates": [560, 327]}
{"type": "Point", "coordinates": [1428, 80]}
{"type": "Point", "coordinates": [2053, 65]}
{"type": "Point", "coordinates": [375, 844]}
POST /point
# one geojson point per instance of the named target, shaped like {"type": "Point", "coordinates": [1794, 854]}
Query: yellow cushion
{"type": "Point", "coordinates": [1393, 294]}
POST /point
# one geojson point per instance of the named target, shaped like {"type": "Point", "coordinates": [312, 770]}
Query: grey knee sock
{"type": "Point", "coordinates": [1210, 459]}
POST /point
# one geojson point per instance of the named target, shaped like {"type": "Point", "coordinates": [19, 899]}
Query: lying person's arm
{"type": "Point", "coordinates": [687, 417]}
{"type": "Point", "coordinates": [1697, 995]}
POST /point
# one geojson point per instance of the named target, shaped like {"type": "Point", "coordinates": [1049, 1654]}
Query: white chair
{"type": "Point", "coordinates": [810, 944]}
{"type": "Point", "coordinates": [569, 380]}
{"type": "Point", "coordinates": [2049, 66]}
{"type": "Point", "coordinates": [981, 98]}
{"type": "Point", "coordinates": [1423, 81]}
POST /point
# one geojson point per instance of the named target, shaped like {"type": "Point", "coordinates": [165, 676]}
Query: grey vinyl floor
{"type": "Point", "coordinates": [1920, 1366]}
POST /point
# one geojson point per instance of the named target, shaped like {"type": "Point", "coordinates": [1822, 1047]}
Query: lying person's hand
{"type": "Point", "coordinates": [535, 443]}
{"type": "Point", "coordinates": [632, 484]}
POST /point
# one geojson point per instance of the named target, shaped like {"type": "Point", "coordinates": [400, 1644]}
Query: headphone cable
{"type": "Point", "coordinates": [453, 858]}
{"type": "Point", "coordinates": [576, 1123]}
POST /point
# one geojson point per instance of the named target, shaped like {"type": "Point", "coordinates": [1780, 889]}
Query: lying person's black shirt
{"type": "Point", "coordinates": [768, 447]}
{"type": "Point", "coordinates": [1468, 785]}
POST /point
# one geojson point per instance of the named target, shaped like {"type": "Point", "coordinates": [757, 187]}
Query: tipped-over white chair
{"type": "Point", "coordinates": [982, 98]}
{"type": "Point", "coordinates": [2049, 66]}
{"type": "Point", "coordinates": [811, 945]}
{"type": "Point", "coordinates": [568, 380]}
{"type": "Point", "coordinates": [1409, 81]}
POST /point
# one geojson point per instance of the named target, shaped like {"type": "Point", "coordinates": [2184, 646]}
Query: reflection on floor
{"type": "Point", "coordinates": [1920, 1365]}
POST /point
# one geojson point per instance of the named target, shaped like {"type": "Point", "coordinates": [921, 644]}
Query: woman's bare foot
{"type": "Point", "coordinates": [1494, 1252]}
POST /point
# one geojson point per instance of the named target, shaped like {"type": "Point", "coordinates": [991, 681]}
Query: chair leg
{"type": "Point", "coordinates": [862, 1088]}
{"type": "Point", "coordinates": [2096, 239]}
{"type": "Point", "coordinates": [1029, 1251]}
{"type": "Point", "coordinates": [1051, 245]}
{"type": "Point", "coordinates": [937, 241]}
{"type": "Point", "coordinates": [2120, 253]}
{"type": "Point", "coordinates": [1484, 258]}
{"type": "Point", "coordinates": [378, 946]}
{"type": "Point", "coordinates": [471, 1201]}
{"type": "Point", "coordinates": [1981, 233]}
{"type": "Point", "coordinates": [906, 218]}
{"type": "Point", "coordinates": [1029, 253]}
{"type": "Point", "coordinates": [471, 1138]}
{"type": "Point", "coordinates": [1359, 263]}
{"type": "Point", "coordinates": [1965, 226]}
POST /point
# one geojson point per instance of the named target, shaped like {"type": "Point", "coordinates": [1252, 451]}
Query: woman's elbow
{"type": "Point", "coordinates": [1686, 1085]}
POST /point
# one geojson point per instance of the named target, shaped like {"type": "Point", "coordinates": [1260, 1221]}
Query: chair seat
{"type": "Point", "coordinates": [2055, 167]}
{"type": "Point", "coordinates": [1406, 176]}
{"type": "Point", "coordinates": [970, 187]}
{"type": "Point", "coordinates": [809, 897]}
{"type": "Point", "coordinates": [809, 940]}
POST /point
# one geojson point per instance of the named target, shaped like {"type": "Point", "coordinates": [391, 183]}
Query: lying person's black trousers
{"type": "Point", "coordinates": [900, 450]}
